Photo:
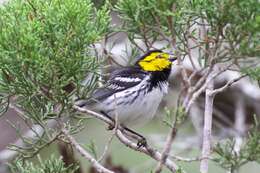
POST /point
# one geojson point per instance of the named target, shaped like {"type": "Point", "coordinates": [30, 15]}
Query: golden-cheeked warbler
{"type": "Point", "coordinates": [134, 93]}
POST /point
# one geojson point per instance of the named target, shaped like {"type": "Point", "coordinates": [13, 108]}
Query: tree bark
{"type": "Point", "coordinates": [206, 147]}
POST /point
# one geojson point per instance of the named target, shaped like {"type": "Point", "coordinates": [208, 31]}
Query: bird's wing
{"type": "Point", "coordinates": [119, 80]}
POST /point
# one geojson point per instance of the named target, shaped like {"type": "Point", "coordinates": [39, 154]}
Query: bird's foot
{"type": "Point", "coordinates": [142, 143]}
{"type": "Point", "coordinates": [110, 127]}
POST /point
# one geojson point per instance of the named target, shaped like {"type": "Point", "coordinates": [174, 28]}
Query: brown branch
{"type": "Point", "coordinates": [240, 124]}
{"type": "Point", "coordinates": [146, 40]}
{"type": "Point", "coordinates": [206, 147]}
{"type": "Point", "coordinates": [166, 149]}
{"type": "Point", "coordinates": [227, 85]}
{"type": "Point", "coordinates": [106, 148]}
{"type": "Point", "coordinates": [85, 154]}
{"type": "Point", "coordinates": [187, 45]}
{"type": "Point", "coordinates": [196, 93]}
{"type": "Point", "coordinates": [148, 151]}
{"type": "Point", "coordinates": [121, 135]}
{"type": "Point", "coordinates": [202, 79]}
{"type": "Point", "coordinates": [34, 133]}
{"type": "Point", "coordinates": [136, 45]}
{"type": "Point", "coordinates": [210, 94]}
{"type": "Point", "coordinates": [68, 156]}
{"type": "Point", "coordinates": [94, 114]}
{"type": "Point", "coordinates": [194, 159]}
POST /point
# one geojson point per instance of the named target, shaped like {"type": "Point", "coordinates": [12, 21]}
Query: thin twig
{"type": "Point", "coordinates": [196, 94]}
{"type": "Point", "coordinates": [7, 154]}
{"type": "Point", "coordinates": [202, 79]}
{"type": "Point", "coordinates": [106, 148]}
{"type": "Point", "coordinates": [136, 45]}
{"type": "Point", "coordinates": [94, 114]}
{"type": "Point", "coordinates": [114, 132]}
{"type": "Point", "coordinates": [189, 49]}
{"type": "Point", "coordinates": [85, 154]}
{"type": "Point", "coordinates": [227, 85]}
{"type": "Point", "coordinates": [178, 158]}
{"type": "Point", "coordinates": [166, 149]}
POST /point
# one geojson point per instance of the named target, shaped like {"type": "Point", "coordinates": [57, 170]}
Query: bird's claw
{"type": "Point", "coordinates": [141, 143]}
{"type": "Point", "coordinates": [110, 127]}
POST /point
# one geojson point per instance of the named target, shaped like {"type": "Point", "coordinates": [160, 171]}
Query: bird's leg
{"type": "Point", "coordinates": [141, 141]}
{"type": "Point", "coordinates": [110, 126]}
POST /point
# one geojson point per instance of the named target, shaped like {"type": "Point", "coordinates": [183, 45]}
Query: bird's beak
{"type": "Point", "coordinates": [172, 58]}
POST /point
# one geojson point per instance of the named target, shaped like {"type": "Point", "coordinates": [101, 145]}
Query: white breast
{"type": "Point", "coordinates": [140, 106]}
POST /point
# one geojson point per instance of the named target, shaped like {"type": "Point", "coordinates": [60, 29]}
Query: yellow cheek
{"type": "Point", "coordinates": [147, 66]}
{"type": "Point", "coordinates": [162, 63]}
{"type": "Point", "coordinates": [155, 65]}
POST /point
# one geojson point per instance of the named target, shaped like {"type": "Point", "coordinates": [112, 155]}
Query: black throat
{"type": "Point", "coordinates": [159, 77]}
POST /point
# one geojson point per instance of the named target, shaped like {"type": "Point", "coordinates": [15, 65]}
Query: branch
{"type": "Point", "coordinates": [194, 159]}
{"type": "Point", "coordinates": [166, 149]}
{"type": "Point", "coordinates": [207, 128]}
{"type": "Point", "coordinates": [93, 114]}
{"type": "Point", "coordinates": [85, 154]}
{"type": "Point", "coordinates": [103, 155]}
{"type": "Point", "coordinates": [210, 77]}
{"type": "Point", "coordinates": [240, 124]}
{"type": "Point", "coordinates": [210, 93]}
{"type": "Point", "coordinates": [34, 132]}
{"type": "Point", "coordinates": [227, 85]}
{"type": "Point", "coordinates": [149, 151]}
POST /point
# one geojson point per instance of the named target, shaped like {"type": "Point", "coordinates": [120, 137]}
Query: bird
{"type": "Point", "coordinates": [132, 94]}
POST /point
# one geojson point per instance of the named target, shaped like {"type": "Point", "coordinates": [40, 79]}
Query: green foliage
{"type": "Point", "coordinates": [230, 24]}
{"type": "Point", "coordinates": [252, 146]}
{"type": "Point", "coordinates": [45, 54]}
{"type": "Point", "coordinates": [52, 165]}
{"type": "Point", "coordinates": [92, 148]}
{"type": "Point", "coordinates": [174, 118]}
{"type": "Point", "coordinates": [254, 73]}
{"type": "Point", "coordinates": [4, 104]}
{"type": "Point", "coordinates": [180, 170]}
{"type": "Point", "coordinates": [44, 48]}
{"type": "Point", "coordinates": [235, 20]}
{"type": "Point", "coordinates": [100, 3]}
{"type": "Point", "coordinates": [228, 158]}
{"type": "Point", "coordinates": [152, 18]}
{"type": "Point", "coordinates": [249, 151]}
